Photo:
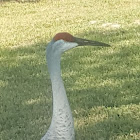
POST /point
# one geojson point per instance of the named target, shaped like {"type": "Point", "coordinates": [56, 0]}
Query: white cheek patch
{"type": "Point", "coordinates": [69, 45]}
{"type": "Point", "coordinates": [60, 46]}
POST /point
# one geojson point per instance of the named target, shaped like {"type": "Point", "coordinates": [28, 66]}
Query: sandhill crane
{"type": "Point", "coordinates": [62, 124]}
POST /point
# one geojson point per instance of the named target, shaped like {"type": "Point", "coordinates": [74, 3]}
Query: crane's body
{"type": "Point", "coordinates": [62, 124]}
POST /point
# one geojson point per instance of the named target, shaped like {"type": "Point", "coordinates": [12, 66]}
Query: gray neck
{"type": "Point", "coordinates": [62, 125]}
{"type": "Point", "coordinates": [59, 93]}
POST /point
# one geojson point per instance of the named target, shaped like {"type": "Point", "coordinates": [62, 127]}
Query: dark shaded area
{"type": "Point", "coordinates": [110, 128]}
{"type": "Point", "coordinates": [24, 71]}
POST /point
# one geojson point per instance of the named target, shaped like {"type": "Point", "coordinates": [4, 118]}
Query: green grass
{"type": "Point", "coordinates": [102, 84]}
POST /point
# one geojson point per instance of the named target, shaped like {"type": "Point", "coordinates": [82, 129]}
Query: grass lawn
{"type": "Point", "coordinates": [102, 84]}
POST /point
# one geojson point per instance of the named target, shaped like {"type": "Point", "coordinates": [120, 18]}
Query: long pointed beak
{"type": "Point", "coordinates": [84, 42]}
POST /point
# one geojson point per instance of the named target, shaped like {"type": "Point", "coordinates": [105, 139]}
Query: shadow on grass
{"type": "Point", "coordinates": [26, 93]}
{"type": "Point", "coordinates": [114, 81]}
{"type": "Point", "coordinates": [110, 129]}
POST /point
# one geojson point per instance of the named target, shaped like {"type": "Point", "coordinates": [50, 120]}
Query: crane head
{"type": "Point", "coordinates": [64, 41]}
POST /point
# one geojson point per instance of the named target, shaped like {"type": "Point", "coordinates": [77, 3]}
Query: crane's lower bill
{"type": "Point", "coordinates": [84, 42]}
